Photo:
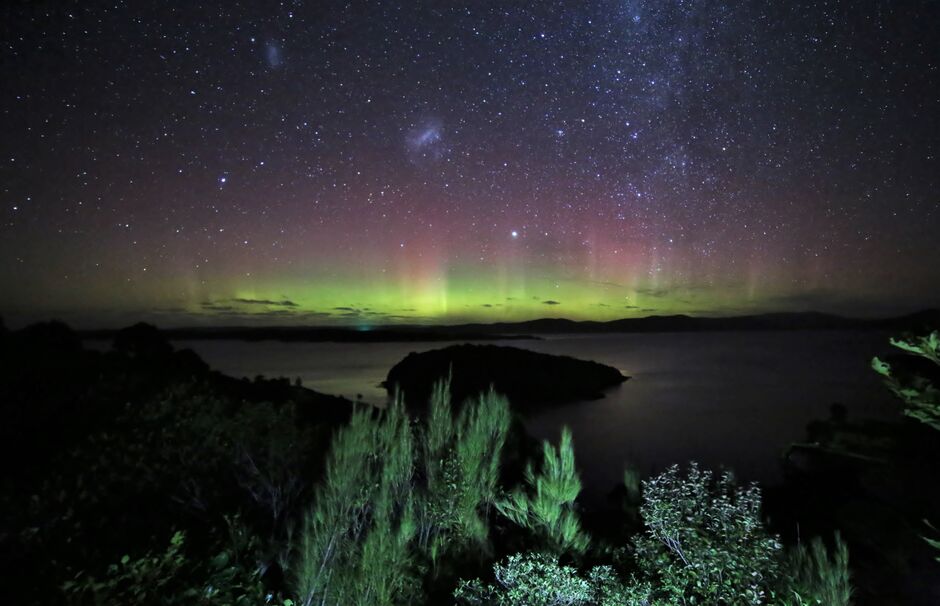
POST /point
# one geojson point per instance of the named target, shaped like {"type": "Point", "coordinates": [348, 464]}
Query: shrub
{"type": "Point", "coordinates": [529, 580]}
{"type": "Point", "coordinates": [132, 581]}
{"type": "Point", "coordinates": [609, 590]}
{"type": "Point", "coordinates": [704, 541]}
{"type": "Point", "coordinates": [170, 578]}
{"type": "Point", "coordinates": [538, 579]}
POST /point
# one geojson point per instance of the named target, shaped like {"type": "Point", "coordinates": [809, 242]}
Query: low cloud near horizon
{"type": "Point", "coordinates": [283, 303]}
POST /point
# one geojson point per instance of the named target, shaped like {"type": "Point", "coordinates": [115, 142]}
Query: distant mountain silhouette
{"type": "Point", "coordinates": [684, 323]}
{"type": "Point", "coordinates": [381, 334]}
{"type": "Point", "coordinates": [927, 319]}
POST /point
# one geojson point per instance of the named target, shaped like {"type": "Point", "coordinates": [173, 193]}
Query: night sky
{"type": "Point", "coordinates": [374, 162]}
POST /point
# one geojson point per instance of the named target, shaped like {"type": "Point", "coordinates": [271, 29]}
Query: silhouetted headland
{"type": "Point", "coordinates": [526, 377]}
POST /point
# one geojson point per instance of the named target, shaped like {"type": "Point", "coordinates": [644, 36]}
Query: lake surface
{"type": "Point", "coordinates": [722, 398]}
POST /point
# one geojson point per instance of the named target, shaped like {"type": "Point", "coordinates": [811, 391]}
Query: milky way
{"type": "Point", "coordinates": [435, 162]}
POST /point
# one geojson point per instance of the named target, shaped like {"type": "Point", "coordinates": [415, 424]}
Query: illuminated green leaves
{"type": "Point", "coordinates": [705, 541]}
{"type": "Point", "coordinates": [546, 506]}
{"type": "Point", "coordinates": [920, 396]}
{"type": "Point", "coordinates": [394, 494]}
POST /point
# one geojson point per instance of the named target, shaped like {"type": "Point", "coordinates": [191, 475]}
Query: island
{"type": "Point", "coordinates": [529, 379]}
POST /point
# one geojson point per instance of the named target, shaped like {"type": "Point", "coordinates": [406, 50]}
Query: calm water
{"type": "Point", "coordinates": [732, 399]}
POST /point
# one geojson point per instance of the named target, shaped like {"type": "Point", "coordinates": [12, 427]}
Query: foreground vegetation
{"type": "Point", "coordinates": [151, 480]}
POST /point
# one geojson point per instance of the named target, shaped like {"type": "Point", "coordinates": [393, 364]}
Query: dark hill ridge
{"type": "Point", "coordinates": [684, 323]}
{"type": "Point", "coordinates": [529, 379]}
{"type": "Point", "coordinates": [317, 334]}
{"type": "Point", "coordinates": [525, 330]}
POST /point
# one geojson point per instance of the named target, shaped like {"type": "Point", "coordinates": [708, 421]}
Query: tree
{"type": "Point", "coordinates": [355, 539]}
{"type": "Point", "coordinates": [546, 507]}
{"type": "Point", "coordinates": [393, 495]}
{"type": "Point", "coordinates": [459, 463]}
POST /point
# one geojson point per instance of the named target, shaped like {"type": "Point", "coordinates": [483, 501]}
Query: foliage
{"type": "Point", "coordinates": [459, 462]}
{"type": "Point", "coordinates": [633, 496]}
{"type": "Point", "coordinates": [920, 396]}
{"type": "Point", "coordinates": [814, 576]}
{"type": "Point", "coordinates": [269, 453]}
{"type": "Point", "coordinates": [391, 494]}
{"type": "Point", "coordinates": [132, 581]}
{"type": "Point", "coordinates": [609, 590]}
{"type": "Point", "coordinates": [258, 448]}
{"type": "Point", "coordinates": [529, 580]}
{"type": "Point", "coordinates": [704, 541]}
{"type": "Point", "coordinates": [354, 543]}
{"type": "Point", "coordinates": [116, 450]}
{"type": "Point", "coordinates": [187, 454]}
{"type": "Point", "coordinates": [538, 579]}
{"type": "Point", "coordinates": [933, 542]}
{"type": "Point", "coordinates": [546, 508]}
{"type": "Point", "coordinates": [170, 578]}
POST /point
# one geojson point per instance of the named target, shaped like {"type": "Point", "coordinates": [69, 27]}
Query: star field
{"type": "Point", "coordinates": [379, 162]}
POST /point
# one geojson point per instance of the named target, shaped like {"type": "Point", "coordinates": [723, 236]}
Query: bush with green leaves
{"type": "Point", "coordinates": [171, 577]}
{"type": "Point", "coordinates": [610, 590]}
{"type": "Point", "coordinates": [184, 457]}
{"type": "Point", "coordinates": [143, 580]}
{"type": "Point", "coordinates": [531, 579]}
{"type": "Point", "coordinates": [546, 505]}
{"type": "Point", "coordinates": [539, 579]}
{"type": "Point", "coordinates": [704, 541]}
